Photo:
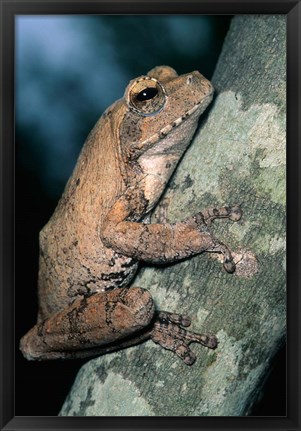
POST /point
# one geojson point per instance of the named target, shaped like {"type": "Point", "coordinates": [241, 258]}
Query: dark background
{"type": "Point", "coordinates": [68, 70]}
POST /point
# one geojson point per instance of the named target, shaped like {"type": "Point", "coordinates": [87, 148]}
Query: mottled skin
{"type": "Point", "coordinates": [91, 246]}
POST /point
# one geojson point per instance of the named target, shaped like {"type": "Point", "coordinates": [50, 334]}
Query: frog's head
{"type": "Point", "coordinates": [161, 114]}
{"type": "Point", "coordinates": [159, 105]}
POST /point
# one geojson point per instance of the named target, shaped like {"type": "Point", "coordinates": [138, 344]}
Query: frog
{"type": "Point", "coordinates": [101, 230]}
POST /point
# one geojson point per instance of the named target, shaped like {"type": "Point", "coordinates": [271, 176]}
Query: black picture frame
{"type": "Point", "coordinates": [8, 10]}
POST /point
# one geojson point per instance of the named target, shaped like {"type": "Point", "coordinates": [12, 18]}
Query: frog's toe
{"type": "Point", "coordinates": [185, 353]}
{"type": "Point", "coordinates": [229, 265]}
{"type": "Point", "coordinates": [235, 213]}
{"type": "Point", "coordinates": [211, 341]}
{"type": "Point", "coordinates": [178, 319]}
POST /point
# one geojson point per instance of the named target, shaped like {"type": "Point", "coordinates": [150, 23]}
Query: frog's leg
{"type": "Point", "coordinates": [159, 243]}
{"type": "Point", "coordinates": [97, 320]}
{"type": "Point", "coordinates": [107, 322]}
{"type": "Point", "coordinates": [168, 330]}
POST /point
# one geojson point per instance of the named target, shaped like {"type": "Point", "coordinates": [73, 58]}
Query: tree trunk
{"type": "Point", "coordinates": [237, 157]}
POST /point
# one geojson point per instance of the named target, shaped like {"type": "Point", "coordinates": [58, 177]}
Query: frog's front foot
{"type": "Point", "coordinates": [168, 331]}
{"type": "Point", "coordinates": [233, 213]}
{"type": "Point", "coordinates": [204, 220]}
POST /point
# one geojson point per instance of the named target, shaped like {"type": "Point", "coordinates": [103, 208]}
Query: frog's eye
{"type": "Point", "coordinates": [146, 96]}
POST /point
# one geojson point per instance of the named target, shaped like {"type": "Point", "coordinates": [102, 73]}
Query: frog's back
{"type": "Point", "coordinates": [73, 260]}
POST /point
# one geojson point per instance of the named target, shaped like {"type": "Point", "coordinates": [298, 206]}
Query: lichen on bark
{"type": "Point", "coordinates": [237, 157]}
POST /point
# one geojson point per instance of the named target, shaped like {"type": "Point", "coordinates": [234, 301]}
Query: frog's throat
{"type": "Point", "coordinates": [149, 142]}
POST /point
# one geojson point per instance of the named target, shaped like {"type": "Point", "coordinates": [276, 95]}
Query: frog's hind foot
{"type": "Point", "coordinates": [168, 331]}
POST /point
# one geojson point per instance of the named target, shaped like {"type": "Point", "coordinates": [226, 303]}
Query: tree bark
{"type": "Point", "coordinates": [237, 157]}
